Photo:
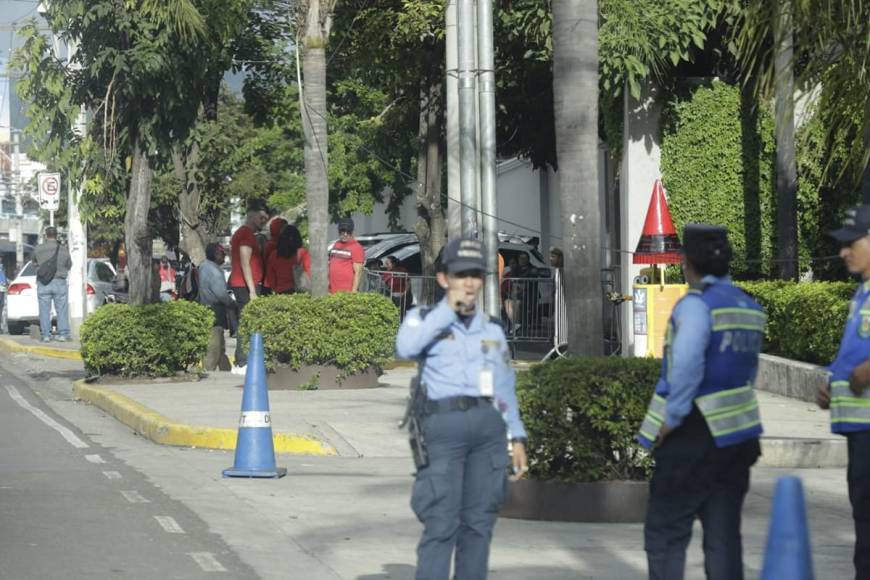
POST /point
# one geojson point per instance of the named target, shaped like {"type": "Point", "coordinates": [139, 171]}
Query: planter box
{"type": "Point", "coordinates": [600, 501]}
{"type": "Point", "coordinates": [285, 378]}
{"type": "Point", "coordinates": [790, 378]}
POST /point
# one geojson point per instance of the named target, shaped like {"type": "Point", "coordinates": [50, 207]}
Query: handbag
{"type": "Point", "coordinates": [46, 271]}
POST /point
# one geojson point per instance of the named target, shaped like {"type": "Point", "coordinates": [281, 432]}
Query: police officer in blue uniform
{"type": "Point", "coordinates": [703, 422]}
{"type": "Point", "coordinates": [847, 393]}
{"type": "Point", "coordinates": [468, 416]}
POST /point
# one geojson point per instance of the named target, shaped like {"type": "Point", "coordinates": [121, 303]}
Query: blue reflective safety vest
{"type": "Point", "coordinates": [725, 395]}
{"type": "Point", "coordinates": [848, 412]}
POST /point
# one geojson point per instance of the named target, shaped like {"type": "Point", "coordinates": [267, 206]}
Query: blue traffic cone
{"type": "Point", "coordinates": [788, 538]}
{"type": "Point", "coordinates": [255, 452]}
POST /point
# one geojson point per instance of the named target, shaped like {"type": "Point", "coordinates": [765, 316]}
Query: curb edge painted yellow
{"type": "Point", "coordinates": [159, 429]}
{"type": "Point", "coordinates": [12, 346]}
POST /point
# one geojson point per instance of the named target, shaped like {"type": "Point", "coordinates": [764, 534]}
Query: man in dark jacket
{"type": "Point", "coordinates": [52, 258]}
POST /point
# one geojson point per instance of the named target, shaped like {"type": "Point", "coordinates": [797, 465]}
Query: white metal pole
{"type": "Point", "coordinates": [486, 96]}
{"type": "Point", "coordinates": [454, 206]}
{"type": "Point", "coordinates": [467, 124]}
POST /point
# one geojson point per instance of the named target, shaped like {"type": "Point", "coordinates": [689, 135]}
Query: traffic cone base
{"type": "Point", "coordinates": [255, 450]}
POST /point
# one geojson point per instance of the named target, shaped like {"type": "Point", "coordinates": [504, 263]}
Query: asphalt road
{"type": "Point", "coordinates": [69, 509]}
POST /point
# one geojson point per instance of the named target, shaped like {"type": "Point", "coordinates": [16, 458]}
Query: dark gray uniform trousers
{"type": "Point", "coordinates": [458, 495]}
{"type": "Point", "coordinates": [694, 478]}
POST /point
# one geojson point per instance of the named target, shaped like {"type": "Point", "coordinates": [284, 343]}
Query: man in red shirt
{"type": "Point", "coordinates": [346, 260]}
{"type": "Point", "coordinates": [246, 276]}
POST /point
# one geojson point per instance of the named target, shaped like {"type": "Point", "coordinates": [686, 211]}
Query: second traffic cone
{"type": "Point", "coordinates": [255, 451]}
{"type": "Point", "coordinates": [658, 242]}
{"type": "Point", "coordinates": [788, 539]}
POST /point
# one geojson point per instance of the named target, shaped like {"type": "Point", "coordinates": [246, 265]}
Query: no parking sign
{"type": "Point", "coordinates": [49, 190]}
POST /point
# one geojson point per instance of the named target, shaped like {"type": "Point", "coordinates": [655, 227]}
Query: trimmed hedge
{"type": "Point", "coordinates": [350, 331]}
{"type": "Point", "coordinates": [581, 415]}
{"type": "Point", "coordinates": [804, 319]}
{"type": "Point", "coordinates": [153, 340]}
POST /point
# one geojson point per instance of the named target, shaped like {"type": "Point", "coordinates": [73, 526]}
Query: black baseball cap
{"type": "Point", "coordinates": [704, 242]}
{"type": "Point", "coordinates": [856, 225]}
{"type": "Point", "coordinates": [463, 255]}
{"type": "Point", "coordinates": [345, 225]}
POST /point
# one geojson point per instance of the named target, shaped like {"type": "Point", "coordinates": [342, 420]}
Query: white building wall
{"type": "Point", "coordinates": [641, 166]}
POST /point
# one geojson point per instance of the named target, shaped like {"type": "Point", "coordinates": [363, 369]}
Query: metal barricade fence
{"type": "Point", "coordinates": [529, 306]}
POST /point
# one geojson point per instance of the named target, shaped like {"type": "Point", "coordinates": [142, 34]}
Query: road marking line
{"type": "Point", "coordinates": [112, 475]}
{"type": "Point", "coordinates": [169, 524]}
{"type": "Point", "coordinates": [134, 497]}
{"type": "Point", "coordinates": [66, 433]}
{"type": "Point", "coordinates": [95, 458]}
{"type": "Point", "coordinates": [207, 561]}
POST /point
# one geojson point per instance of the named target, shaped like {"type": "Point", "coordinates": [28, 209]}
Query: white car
{"type": "Point", "coordinates": [22, 307]}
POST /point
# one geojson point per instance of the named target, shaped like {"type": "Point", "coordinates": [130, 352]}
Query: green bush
{"type": "Point", "coordinates": [804, 320]}
{"type": "Point", "coordinates": [350, 331]}
{"type": "Point", "coordinates": [582, 415]}
{"type": "Point", "coordinates": [153, 340]}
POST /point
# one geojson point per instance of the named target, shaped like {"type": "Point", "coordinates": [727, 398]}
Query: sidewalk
{"type": "Point", "coordinates": [362, 423]}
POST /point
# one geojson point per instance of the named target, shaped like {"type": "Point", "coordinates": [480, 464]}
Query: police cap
{"type": "Point", "coordinates": [463, 255]}
{"type": "Point", "coordinates": [704, 243]}
{"type": "Point", "coordinates": [856, 225]}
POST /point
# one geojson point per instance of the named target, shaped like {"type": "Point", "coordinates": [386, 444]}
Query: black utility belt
{"type": "Point", "coordinates": [433, 406]}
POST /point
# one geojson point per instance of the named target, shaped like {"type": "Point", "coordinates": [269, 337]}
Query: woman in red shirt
{"type": "Point", "coordinates": [281, 263]}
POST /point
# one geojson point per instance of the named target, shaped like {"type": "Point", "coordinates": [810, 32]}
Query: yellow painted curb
{"type": "Point", "coordinates": [164, 431]}
{"type": "Point", "coordinates": [12, 346]}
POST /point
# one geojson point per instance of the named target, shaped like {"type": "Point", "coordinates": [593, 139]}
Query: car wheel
{"type": "Point", "coordinates": [15, 327]}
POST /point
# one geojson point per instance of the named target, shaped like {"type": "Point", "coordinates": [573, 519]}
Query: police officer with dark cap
{"type": "Point", "coordinates": [703, 422]}
{"type": "Point", "coordinates": [468, 415]}
{"type": "Point", "coordinates": [847, 392]}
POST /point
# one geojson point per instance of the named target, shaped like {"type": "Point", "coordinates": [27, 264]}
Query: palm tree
{"type": "Point", "coordinates": [575, 92]}
{"type": "Point", "coordinates": [313, 26]}
{"type": "Point", "coordinates": [832, 41]}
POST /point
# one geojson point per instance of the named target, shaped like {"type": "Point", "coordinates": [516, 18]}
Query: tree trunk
{"type": "Point", "coordinates": [193, 235]}
{"type": "Point", "coordinates": [786, 165]}
{"type": "Point", "coordinates": [431, 225]}
{"type": "Point", "coordinates": [575, 92]}
{"type": "Point", "coordinates": [313, 111]}
{"type": "Point", "coordinates": [137, 235]}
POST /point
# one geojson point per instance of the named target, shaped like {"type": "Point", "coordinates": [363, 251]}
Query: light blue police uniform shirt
{"type": "Point", "coordinates": [693, 324]}
{"type": "Point", "coordinates": [453, 364]}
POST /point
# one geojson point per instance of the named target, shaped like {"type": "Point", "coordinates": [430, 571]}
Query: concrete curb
{"type": "Point", "coordinates": [12, 346]}
{"type": "Point", "coordinates": [804, 452]}
{"type": "Point", "coordinates": [159, 429]}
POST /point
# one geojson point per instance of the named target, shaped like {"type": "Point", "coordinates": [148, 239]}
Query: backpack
{"type": "Point", "coordinates": [46, 271]}
{"type": "Point", "coordinates": [188, 288]}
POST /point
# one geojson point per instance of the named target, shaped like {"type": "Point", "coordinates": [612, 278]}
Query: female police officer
{"type": "Point", "coordinates": [468, 415]}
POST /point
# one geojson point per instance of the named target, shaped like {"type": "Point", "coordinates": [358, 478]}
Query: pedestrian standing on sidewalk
{"type": "Point", "coordinates": [847, 393]}
{"type": "Point", "coordinates": [289, 261]}
{"type": "Point", "coordinates": [276, 226]}
{"type": "Point", "coordinates": [214, 293]}
{"type": "Point", "coordinates": [397, 281]}
{"type": "Point", "coordinates": [246, 275]}
{"type": "Point", "coordinates": [52, 262]}
{"type": "Point", "coordinates": [467, 416]}
{"type": "Point", "coordinates": [703, 422]}
{"type": "Point", "coordinates": [346, 259]}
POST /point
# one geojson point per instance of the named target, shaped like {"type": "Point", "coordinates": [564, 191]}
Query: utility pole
{"type": "Point", "coordinates": [451, 84]}
{"type": "Point", "coordinates": [16, 193]}
{"type": "Point", "coordinates": [486, 97]}
{"type": "Point", "coordinates": [467, 124]}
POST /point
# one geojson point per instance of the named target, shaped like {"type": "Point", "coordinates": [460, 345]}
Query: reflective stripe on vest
{"type": "Point", "coordinates": [738, 318]}
{"type": "Point", "coordinates": [730, 411]}
{"type": "Point", "coordinates": [848, 409]}
{"type": "Point", "coordinates": [652, 422]}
